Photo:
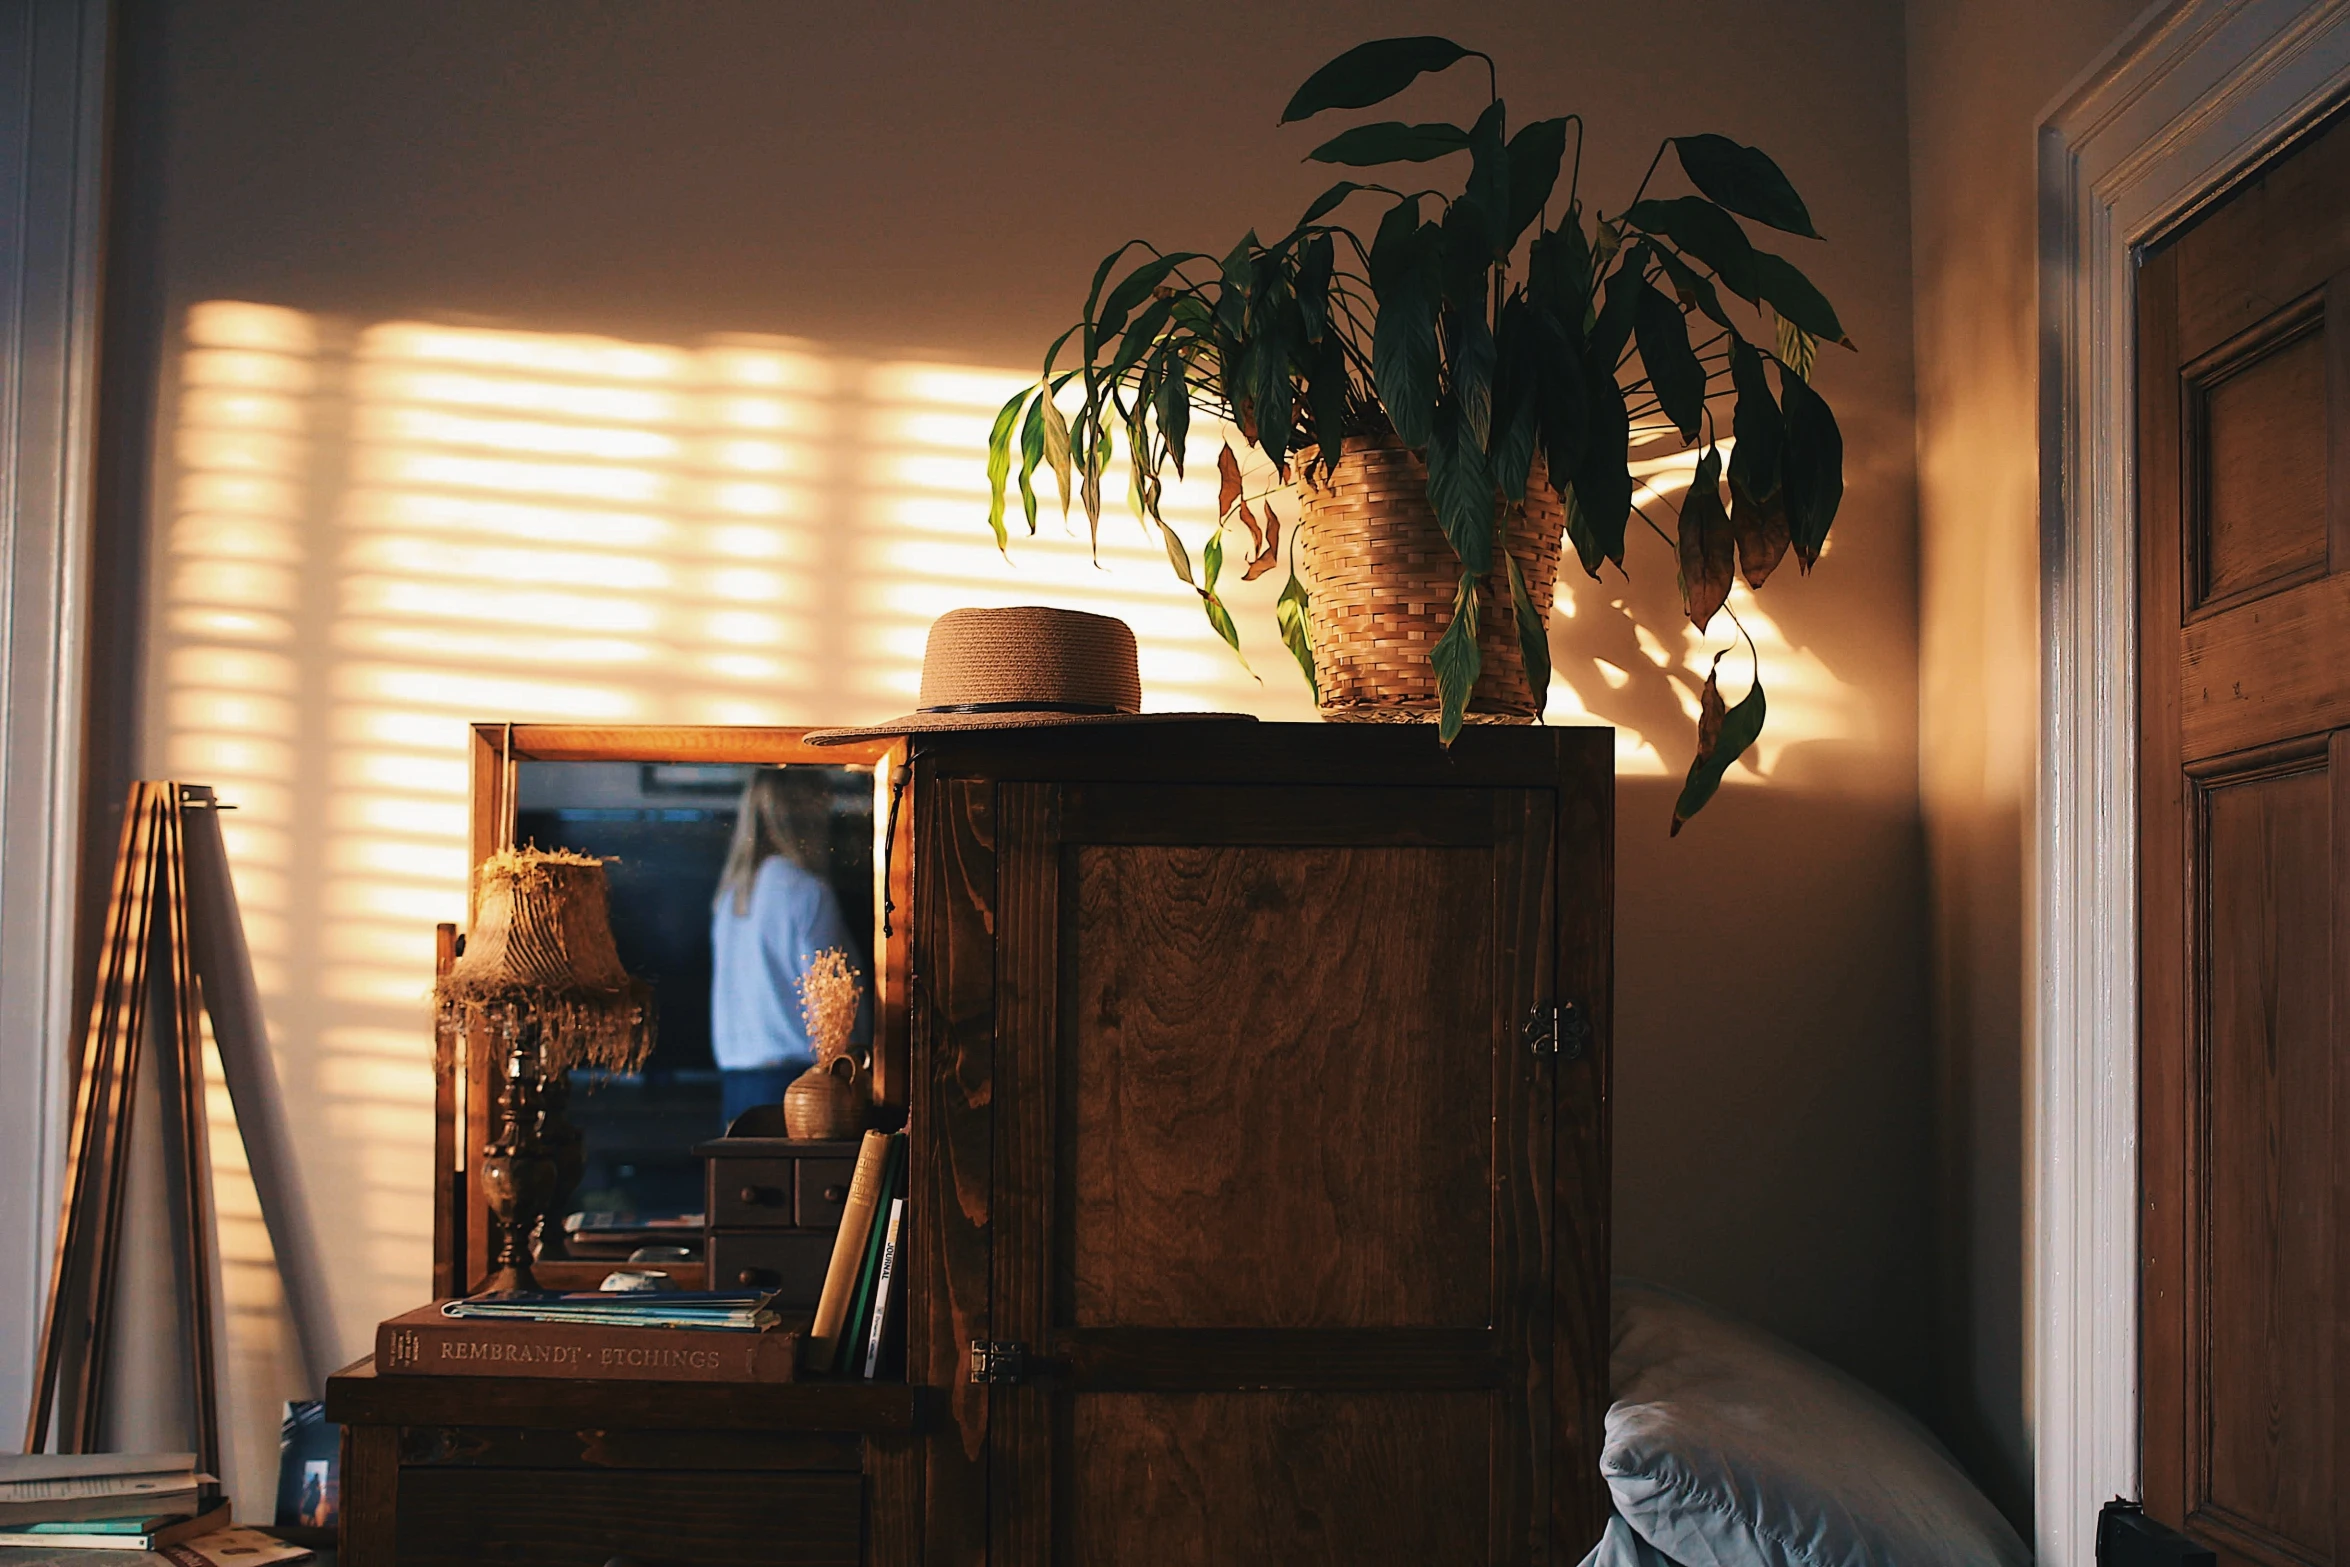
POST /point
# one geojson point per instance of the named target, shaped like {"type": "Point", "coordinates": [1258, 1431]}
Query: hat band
{"type": "Point", "coordinates": [1024, 707]}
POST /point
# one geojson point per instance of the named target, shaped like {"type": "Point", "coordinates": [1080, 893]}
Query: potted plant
{"type": "Point", "coordinates": [1459, 395]}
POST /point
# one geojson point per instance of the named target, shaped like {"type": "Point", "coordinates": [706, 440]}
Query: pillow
{"type": "Point", "coordinates": [1727, 1447]}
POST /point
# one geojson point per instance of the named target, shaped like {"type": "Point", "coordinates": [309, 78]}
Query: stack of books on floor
{"type": "Point", "coordinates": [56, 1505]}
{"type": "Point", "coordinates": [657, 1336]}
{"type": "Point", "coordinates": [856, 1331]}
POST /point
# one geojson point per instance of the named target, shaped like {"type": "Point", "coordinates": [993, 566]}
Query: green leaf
{"type": "Point", "coordinates": [1391, 141]}
{"type": "Point", "coordinates": [1461, 489]}
{"type": "Point", "coordinates": [1693, 286]}
{"type": "Point", "coordinates": [1563, 396]}
{"type": "Point", "coordinates": [1517, 398]}
{"type": "Point", "coordinates": [1326, 398]}
{"type": "Point", "coordinates": [1404, 277]}
{"type": "Point", "coordinates": [1140, 336]}
{"type": "Point", "coordinates": [1212, 560]}
{"type": "Point", "coordinates": [1813, 477]}
{"type": "Point", "coordinates": [1133, 289]}
{"type": "Point", "coordinates": [999, 464]}
{"type": "Point", "coordinates": [1614, 327]}
{"type": "Point", "coordinates": [1534, 158]}
{"type": "Point", "coordinates": [1489, 180]}
{"type": "Point", "coordinates": [1603, 480]}
{"type": "Point", "coordinates": [1289, 612]}
{"type": "Point", "coordinates": [1761, 434]}
{"type": "Point", "coordinates": [1328, 201]}
{"type": "Point", "coordinates": [1798, 349]}
{"type": "Point", "coordinates": [1457, 661]}
{"type": "Point", "coordinates": [1315, 264]}
{"type": "Point", "coordinates": [1177, 556]}
{"type": "Point", "coordinates": [1472, 359]}
{"type": "Point", "coordinates": [1221, 619]}
{"type": "Point", "coordinates": [1558, 270]}
{"type": "Point", "coordinates": [1761, 530]}
{"type": "Point", "coordinates": [1705, 231]}
{"type": "Point", "coordinates": [1371, 73]}
{"type": "Point", "coordinates": [1745, 180]}
{"type": "Point", "coordinates": [1533, 640]}
{"type": "Point", "coordinates": [1579, 534]}
{"type": "Point", "coordinates": [1708, 557]}
{"type": "Point", "coordinates": [1174, 425]}
{"type": "Point", "coordinates": [1790, 293]}
{"type": "Point", "coordinates": [1722, 738]}
{"type": "Point", "coordinates": [1031, 454]}
{"type": "Point", "coordinates": [1673, 370]}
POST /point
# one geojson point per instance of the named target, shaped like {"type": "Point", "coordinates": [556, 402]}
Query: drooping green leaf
{"type": "Point", "coordinates": [1613, 328]}
{"type": "Point", "coordinates": [1813, 475]}
{"type": "Point", "coordinates": [1289, 613]}
{"type": "Point", "coordinates": [1221, 618]}
{"type": "Point", "coordinates": [1457, 661]}
{"type": "Point", "coordinates": [1472, 357]}
{"type": "Point", "coordinates": [1460, 488]}
{"type": "Point", "coordinates": [1723, 736]}
{"type": "Point", "coordinates": [1745, 180]}
{"type": "Point", "coordinates": [1533, 639]}
{"type": "Point", "coordinates": [1467, 265]}
{"type": "Point", "coordinates": [1706, 232]}
{"type": "Point", "coordinates": [1489, 178]}
{"type": "Point", "coordinates": [1798, 349]}
{"type": "Point", "coordinates": [1314, 266]}
{"type": "Point", "coordinates": [1517, 398]}
{"type": "Point", "coordinates": [1579, 534]}
{"type": "Point", "coordinates": [1754, 461]}
{"type": "Point", "coordinates": [1174, 425]}
{"type": "Point", "coordinates": [1404, 276]}
{"type": "Point", "coordinates": [1562, 393]}
{"type": "Point", "coordinates": [1031, 456]}
{"type": "Point", "coordinates": [1133, 289]}
{"type": "Point", "coordinates": [1708, 556]}
{"type": "Point", "coordinates": [1140, 336]}
{"type": "Point", "coordinates": [1370, 73]}
{"type": "Point", "coordinates": [1791, 294]}
{"type": "Point", "coordinates": [1327, 202]}
{"type": "Point", "coordinates": [1558, 271]}
{"type": "Point", "coordinates": [1534, 158]}
{"type": "Point", "coordinates": [1391, 141]}
{"type": "Point", "coordinates": [1695, 288]}
{"type": "Point", "coordinates": [1672, 366]}
{"type": "Point", "coordinates": [1603, 480]}
{"type": "Point", "coordinates": [1326, 398]}
{"type": "Point", "coordinates": [1212, 562]}
{"type": "Point", "coordinates": [999, 463]}
{"type": "Point", "coordinates": [1177, 556]}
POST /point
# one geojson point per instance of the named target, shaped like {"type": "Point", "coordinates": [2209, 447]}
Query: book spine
{"type": "Point", "coordinates": [454, 1347]}
{"type": "Point", "coordinates": [852, 1328]}
{"type": "Point", "coordinates": [848, 1250]}
{"type": "Point", "coordinates": [882, 1290]}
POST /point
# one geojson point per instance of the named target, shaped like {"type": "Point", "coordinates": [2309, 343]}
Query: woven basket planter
{"type": "Point", "coordinates": [1380, 580]}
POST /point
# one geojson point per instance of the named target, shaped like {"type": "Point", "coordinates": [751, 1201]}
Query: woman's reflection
{"type": "Point", "coordinates": [773, 913]}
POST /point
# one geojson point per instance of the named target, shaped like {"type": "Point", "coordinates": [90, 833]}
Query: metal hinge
{"type": "Point", "coordinates": [998, 1361]}
{"type": "Point", "coordinates": [1557, 1028]}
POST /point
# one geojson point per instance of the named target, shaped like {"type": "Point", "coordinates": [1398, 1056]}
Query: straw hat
{"type": "Point", "coordinates": [1027, 668]}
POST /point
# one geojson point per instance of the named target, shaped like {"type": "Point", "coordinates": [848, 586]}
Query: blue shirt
{"type": "Point", "coordinates": [757, 958]}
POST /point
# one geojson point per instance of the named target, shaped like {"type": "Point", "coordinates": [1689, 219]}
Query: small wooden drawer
{"type": "Point", "coordinates": [823, 1192]}
{"type": "Point", "coordinates": [790, 1262]}
{"type": "Point", "coordinates": [582, 1517]}
{"type": "Point", "coordinates": [751, 1194]}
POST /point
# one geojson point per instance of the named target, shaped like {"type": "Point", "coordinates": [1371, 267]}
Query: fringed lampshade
{"type": "Point", "coordinates": [542, 940]}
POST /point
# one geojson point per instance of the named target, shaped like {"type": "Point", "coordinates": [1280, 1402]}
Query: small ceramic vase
{"type": "Point", "coordinates": [827, 1102]}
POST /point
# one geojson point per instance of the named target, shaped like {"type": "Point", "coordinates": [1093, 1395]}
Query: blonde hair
{"type": "Point", "coordinates": [777, 816]}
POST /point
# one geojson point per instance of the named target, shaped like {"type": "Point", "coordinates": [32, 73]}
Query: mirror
{"type": "Point", "coordinates": [726, 879]}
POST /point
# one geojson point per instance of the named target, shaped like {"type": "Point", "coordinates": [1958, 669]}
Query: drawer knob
{"type": "Point", "coordinates": [752, 1196]}
{"type": "Point", "coordinates": [747, 1276]}
{"type": "Point", "coordinates": [836, 1194]}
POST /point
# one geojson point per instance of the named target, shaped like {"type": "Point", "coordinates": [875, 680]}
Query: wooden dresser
{"type": "Point", "coordinates": [1256, 1083]}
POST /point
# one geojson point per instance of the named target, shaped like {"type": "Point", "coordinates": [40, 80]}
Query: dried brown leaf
{"type": "Point", "coordinates": [1708, 548]}
{"type": "Point", "coordinates": [1265, 559]}
{"type": "Point", "coordinates": [1761, 529]}
{"type": "Point", "coordinates": [1227, 483]}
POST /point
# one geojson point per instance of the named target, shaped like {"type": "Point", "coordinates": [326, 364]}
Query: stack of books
{"type": "Point", "coordinates": [855, 1331]}
{"type": "Point", "coordinates": [665, 1336]}
{"type": "Point", "coordinates": [106, 1501]}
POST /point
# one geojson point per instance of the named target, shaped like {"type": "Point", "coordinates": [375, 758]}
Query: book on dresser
{"type": "Point", "coordinates": [430, 1342]}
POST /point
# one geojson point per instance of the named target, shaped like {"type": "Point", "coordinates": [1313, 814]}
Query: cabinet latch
{"type": "Point", "coordinates": [1557, 1028]}
{"type": "Point", "coordinates": [998, 1362]}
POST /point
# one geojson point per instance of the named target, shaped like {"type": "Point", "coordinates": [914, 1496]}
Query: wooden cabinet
{"type": "Point", "coordinates": [1256, 1084]}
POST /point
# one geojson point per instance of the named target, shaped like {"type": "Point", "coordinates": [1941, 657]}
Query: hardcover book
{"type": "Point", "coordinates": [429, 1342]}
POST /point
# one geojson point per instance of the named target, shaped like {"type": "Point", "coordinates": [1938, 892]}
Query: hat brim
{"type": "Point", "coordinates": [934, 723]}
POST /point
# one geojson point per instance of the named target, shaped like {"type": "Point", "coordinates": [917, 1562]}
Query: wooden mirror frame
{"type": "Point", "coordinates": [462, 1069]}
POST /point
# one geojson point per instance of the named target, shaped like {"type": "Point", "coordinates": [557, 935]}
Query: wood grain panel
{"type": "Point", "coordinates": [355, 1395]}
{"type": "Point", "coordinates": [2264, 1335]}
{"type": "Point", "coordinates": [2272, 242]}
{"type": "Point", "coordinates": [2259, 447]}
{"type": "Point", "coordinates": [1217, 1479]}
{"type": "Point", "coordinates": [510, 1447]}
{"type": "Point", "coordinates": [2265, 671]}
{"type": "Point", "coordinates": [1582, 1141]}
{"type": "Point", "coordinates": [1234, 1007]}
{"type": "Point", "coordinates": [563, 1518]}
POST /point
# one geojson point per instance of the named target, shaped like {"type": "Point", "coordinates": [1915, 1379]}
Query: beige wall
{"type": "Point", "coordinates": [1980, 74]}
{"type": "Point", "coordinates": [633, 361]}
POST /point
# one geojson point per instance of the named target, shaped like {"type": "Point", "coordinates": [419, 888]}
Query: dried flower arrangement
{"type": "Point", "coordinates": [829, 993]}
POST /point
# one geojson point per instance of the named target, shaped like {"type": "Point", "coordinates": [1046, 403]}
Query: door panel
{"type": "Point", "coordinates": [2260, 1358]}
{"type": "Point", "coordinates": [1212, 1479]}
{"type": "Point", "coordinates": [1197, 1033]}
{"type": "Point", "coordinates": [2244, 723]}
{"type": "Point", "coordinates": [1286, 1272]}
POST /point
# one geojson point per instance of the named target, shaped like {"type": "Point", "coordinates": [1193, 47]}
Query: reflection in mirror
{"type": "Point", "coordinates": [726, 881]}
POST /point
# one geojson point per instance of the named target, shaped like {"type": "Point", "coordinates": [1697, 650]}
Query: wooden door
{"type": "Point", "coordinates": [1274, 1184]}
{"type": "Point", "coordinates": [2244, 619]}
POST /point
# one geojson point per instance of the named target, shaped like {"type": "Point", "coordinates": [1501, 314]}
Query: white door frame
{"type": "Point", "coordinates": [2186, 104]}
{"type": "Point", "coordinates": [53, 58]}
